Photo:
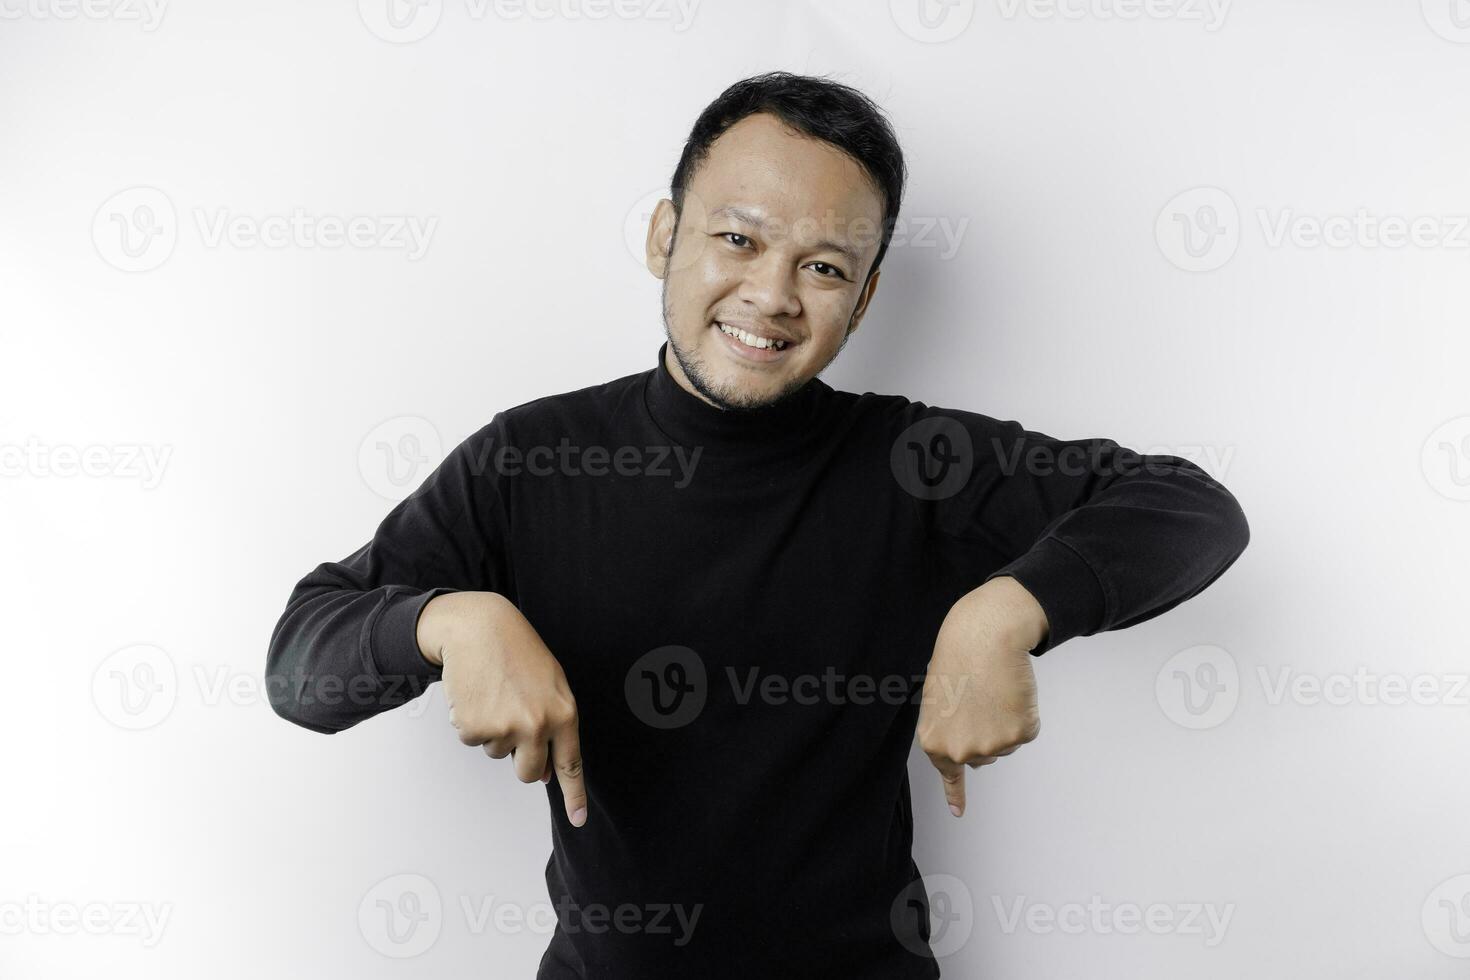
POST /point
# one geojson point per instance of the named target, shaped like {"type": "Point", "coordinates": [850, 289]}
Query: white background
{"type": "Point", "coordinates": [1315, 380]}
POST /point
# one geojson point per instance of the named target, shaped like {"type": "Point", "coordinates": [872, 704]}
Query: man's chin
{"type": "Point", "coordinates": [730, 382]}
{"type": "Point", "coordinates": [738, 389]}
{"type": "Point", "coordinates": [733, 396]}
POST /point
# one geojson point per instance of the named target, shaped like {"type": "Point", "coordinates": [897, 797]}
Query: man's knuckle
{"type": "Point", "coordinates": [996, 744]}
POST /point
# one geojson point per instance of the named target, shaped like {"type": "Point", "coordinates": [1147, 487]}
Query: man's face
{"type": "Point", "coordinates": [763, 279]}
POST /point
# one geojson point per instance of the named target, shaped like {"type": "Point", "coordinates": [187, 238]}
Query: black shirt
{"type": "Point", "coordinates": [744, 604]}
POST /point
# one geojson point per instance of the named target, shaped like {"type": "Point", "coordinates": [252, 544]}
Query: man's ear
{"type": "Point", "coordinates": [864, 297]}
{"type": "Point", "coordinates": [659, 246]}
{"type": "Point", "coordinates": [664, 251]}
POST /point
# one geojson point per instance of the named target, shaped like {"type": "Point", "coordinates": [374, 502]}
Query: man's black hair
{"type": "Point", "coordinates": [818, 107]}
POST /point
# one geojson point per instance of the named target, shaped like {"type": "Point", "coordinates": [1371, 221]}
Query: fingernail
{"type": "Point", "coordinates": [579, 816]}
{"type": "Point", "coordinates": [954, 809]}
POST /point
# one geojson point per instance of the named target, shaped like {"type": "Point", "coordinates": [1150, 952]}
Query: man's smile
{"type": "Point", "coordinates": [752, 344]}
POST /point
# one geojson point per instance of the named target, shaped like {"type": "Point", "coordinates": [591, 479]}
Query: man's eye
{"type": "Point", "coordinates": [731, 235]}
{"type": "Point", "coordinates": [834, 271]}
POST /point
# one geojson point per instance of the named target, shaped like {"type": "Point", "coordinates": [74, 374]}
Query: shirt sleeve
{"type": "Point", "coordinates": [346, 647]}
{"type": "Point", "coordinates": [1104, 537]}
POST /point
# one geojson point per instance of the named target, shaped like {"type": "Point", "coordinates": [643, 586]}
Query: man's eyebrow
{"type": "Point", "coordinates": [748, 217]}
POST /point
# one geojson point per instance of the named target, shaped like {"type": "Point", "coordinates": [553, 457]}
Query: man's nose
{"type": "Point", "coordinates": [769, 285]}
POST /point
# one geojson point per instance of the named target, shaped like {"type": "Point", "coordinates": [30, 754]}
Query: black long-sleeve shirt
{"type": "Point", "coordinates": [744, 605]}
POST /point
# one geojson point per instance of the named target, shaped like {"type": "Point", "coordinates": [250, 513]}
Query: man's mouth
{"type": "Point", "coordinates": [752, 341]}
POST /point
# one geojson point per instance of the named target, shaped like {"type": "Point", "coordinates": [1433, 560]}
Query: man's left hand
{"type": "Point", "coordinates": [979, 698]}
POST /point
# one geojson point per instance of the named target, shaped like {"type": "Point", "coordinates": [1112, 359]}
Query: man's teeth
{"type": "Point", "coordinates": [750, 339]}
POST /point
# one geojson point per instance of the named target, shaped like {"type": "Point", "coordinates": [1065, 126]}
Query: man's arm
{"type": "Point", "coordinates": [1072, 538]}
{"type": "Point", "coordinates": [347, 647]}
{"type": "Point", "coordinates": [1103, 537]}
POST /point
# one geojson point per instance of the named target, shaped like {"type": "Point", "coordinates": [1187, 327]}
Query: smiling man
{"type": "Point", "coordinates": [724, 667]}
{"type": "Point", "coordinates": [776, 261]}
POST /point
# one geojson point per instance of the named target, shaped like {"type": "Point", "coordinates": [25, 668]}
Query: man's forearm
{"type": "Point", "coordinates": [1013, 609]}
{"type": "Point", "coordinates": [448, 616]}
{"type": "Point", "coordinates": [1136, 549]}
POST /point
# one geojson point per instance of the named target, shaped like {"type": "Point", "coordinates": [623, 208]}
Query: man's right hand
{"type": "Point", "coordinates": [505, 690]}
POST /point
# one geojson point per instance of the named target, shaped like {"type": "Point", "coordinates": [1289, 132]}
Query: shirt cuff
{"type": "Point", "coordinates": [1065, 586]}
{"type": "Point", "coordinates": [394, 640]}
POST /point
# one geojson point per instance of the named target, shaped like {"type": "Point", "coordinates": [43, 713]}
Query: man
{"type": "Point", "coordinates": [716, 600]}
